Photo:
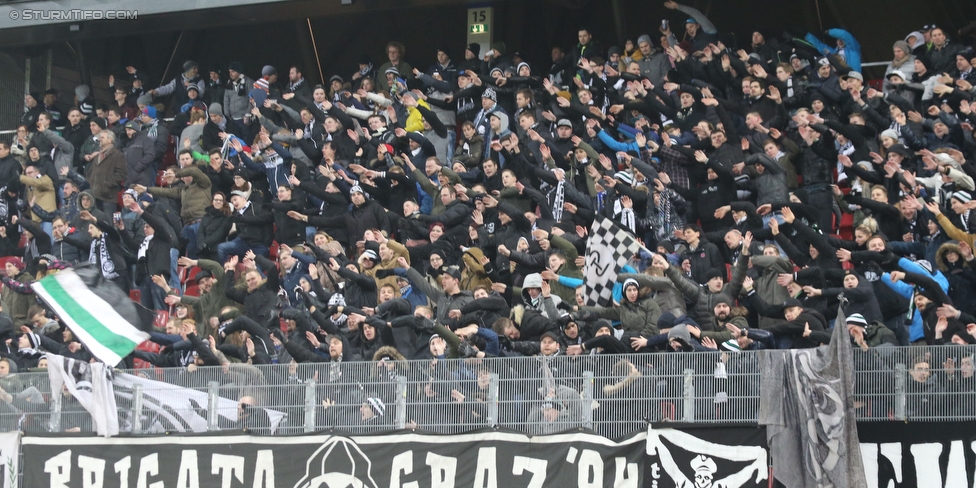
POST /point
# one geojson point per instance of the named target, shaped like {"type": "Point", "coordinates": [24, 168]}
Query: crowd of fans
{"type": "Point", "coordinates": [404, 213]}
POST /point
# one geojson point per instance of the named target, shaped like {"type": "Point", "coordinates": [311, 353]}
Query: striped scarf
{"type": "Point", "coordinates": [153, 131]}
{"type": "Point", "coordinates": [98, 254]}
{"type": "Point", "coordinates": [559, 198]}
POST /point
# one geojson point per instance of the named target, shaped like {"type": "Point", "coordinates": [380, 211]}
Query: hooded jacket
{"type": "Point", "coordinates": [861, 299]}
{"type": "Point", "coordinates": [639, 317]}
{"type": "Point", "coordinates": [961, 276]}
{"type": "Point", "coordinates": [474, 274]}
{"type": "Point", "coordinates": [545, 306]}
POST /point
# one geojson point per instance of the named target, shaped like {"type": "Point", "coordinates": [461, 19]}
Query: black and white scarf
{"type": "Point", "coordinates": [558, 199]}
{"type": "Point", "coordinates": [144, 247]}
{"type": "Point", "coordinates": [271, 160]}
{"type": "Point", "coordinates": [627, 216]}
{"type": "Point", "coordinates": [294, 86]}
{"type": "Point", "coordinates": [98, 254]}
{"type": "Point", "coordinates": [240, 87]}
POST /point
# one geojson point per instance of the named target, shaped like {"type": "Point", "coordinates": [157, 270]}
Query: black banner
{"type": "Point", "coordinates": [906, 455]}
{"type": "Point", "coordinates": [490, 459]}
{"type": "Point", "coordinates": [689, 456]}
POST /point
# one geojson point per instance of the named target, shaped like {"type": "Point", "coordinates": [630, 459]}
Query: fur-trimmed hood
{"type": "Point", "coordinates": [940, 256]}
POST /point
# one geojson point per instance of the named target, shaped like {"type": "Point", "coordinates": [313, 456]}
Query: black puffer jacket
{"type": "Point", "coordinates": [255, 225]}
{"type": "Point", "coordinates": [214, 228]}
{"type": "Point", "coordinates": [288, 230]}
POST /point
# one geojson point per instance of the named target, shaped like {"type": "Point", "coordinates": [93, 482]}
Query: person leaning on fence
{"type": "Point", "coordinates": [559, 410]}
{"type": "Point", "coordinates": [865, 335]}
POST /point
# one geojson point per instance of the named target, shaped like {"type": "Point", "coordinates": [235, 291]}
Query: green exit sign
{"type": "Point", "coordinates": [477, 28]}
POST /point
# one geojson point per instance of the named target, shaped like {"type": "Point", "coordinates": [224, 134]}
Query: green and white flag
{"type": "Point", "coordinates": [98, 326]}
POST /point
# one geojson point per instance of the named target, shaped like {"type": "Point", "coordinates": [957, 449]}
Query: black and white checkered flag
{"type": "Point", "coordinates": [608, 249]}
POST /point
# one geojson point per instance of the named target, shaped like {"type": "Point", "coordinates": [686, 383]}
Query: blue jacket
{"type": "Point", "coordinates": [277, 174]}
{"type": "Point", "coordinates": [852, 49]}
{"type": "Point", "coordinates": [293, 277]}
{"type": "Point", "coordinates": [617, 145]}
{"type": "Point", "coordinates": [916, 330]}
{"type": "Point", "coordinates": [618, 287]}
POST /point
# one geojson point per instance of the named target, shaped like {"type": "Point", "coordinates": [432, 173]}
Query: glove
{"type": "Point", "coordinates": [291, 313]}
{"type": "Point", "coordinates": [466, 350]}
{"type": "Point", "coordinates": [424, 325]}
{"type": "Point", "coordinates": [384, 273]}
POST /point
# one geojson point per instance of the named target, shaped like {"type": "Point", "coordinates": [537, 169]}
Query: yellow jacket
{"type": "Point", "coordinates": [415, 121]}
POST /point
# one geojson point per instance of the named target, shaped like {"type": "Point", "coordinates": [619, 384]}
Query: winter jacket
{"type": "Point", "coordinates": [236, 103]}
{"type": "Point", "coordinates": [704, 258]}
{"type": "Point", "coordinates": [569, 268]}
{"type": "Point", "coordinates": [15, 304]}
{"type": "Point", "coordinates": [157, 256]}
{"type": "Point", "coordinates": [359, 290]}
{"type": "Point", "coordinates": [213, 230]}
{"type": "Point", "coordinates": [72, 248]}
{"type": "Point", "coordinates": [64, 154]}
{"type": "Point", "coordinates": [254, 225]}
{"type": "Point", "coordinates": [861, 299]}
{"type": "Point", "coordinates": [701, 299]}
{"type": "Point", "coordinates": [639, 317]}
{"type": "Point", "coordinates": [107, 173]}
{"type": "Point", "coordinates": [261, 304]}
{"type": "Point", "coordinates": [43, 190]}
{"type": "Point", "coordinates": [908, 290]}
{"type": "Point", "coordinates": [444, 303]}
{"type": "Point", "coordinates": [655, 66]}
{"type": "Point", "coordinates": [212, 302]}
{"type": "Point", "coordinates": [288, 230]}
{"type": "Point", "coordinates": [140, 157]}
{"type": "Point", "coordinates": [474, 274]}
{"type": "Point", "coordinates": [484, 311]}
{"type": "Point", "coordinates": [852, 49]}
{"type": "Point", "coordinates": [194, 198]}
{"type": "Point", "coordinates": [664, 292]}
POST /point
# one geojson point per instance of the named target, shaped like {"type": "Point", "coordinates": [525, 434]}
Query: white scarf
{"type": "Point", "coordinates": [144, 247]}
{"type": "Point", "coordinates": [627, 216]}
{"type": "Point", "coordinates": [847, 149]}
{"type": "Point", "coordinates": [628, 219]}
{"type": "Point", "coordinates": [99, 252]}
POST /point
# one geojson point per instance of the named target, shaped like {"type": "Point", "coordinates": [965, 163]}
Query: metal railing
{"type": "Point", "coordinates": [613, 395]}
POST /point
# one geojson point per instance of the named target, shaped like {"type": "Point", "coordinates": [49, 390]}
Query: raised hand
{"type": "Point", "coordinates": [313, 339]}
{"type": "Point", "coordinates": [843, 255]}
